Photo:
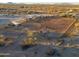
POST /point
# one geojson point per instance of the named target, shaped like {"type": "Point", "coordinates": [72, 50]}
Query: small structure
{"type": "Point", "coordinates": [19, 21]}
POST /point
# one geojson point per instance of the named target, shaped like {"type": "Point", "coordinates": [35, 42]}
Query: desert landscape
{"type": "Point", "coordinates": [39, 30]}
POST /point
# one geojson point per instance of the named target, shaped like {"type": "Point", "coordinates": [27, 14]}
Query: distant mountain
{"type": "Point", "coordinates": [11, 3]}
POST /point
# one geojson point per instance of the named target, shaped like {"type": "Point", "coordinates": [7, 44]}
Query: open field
{"type": "Point", "coordinates": [36, 8]}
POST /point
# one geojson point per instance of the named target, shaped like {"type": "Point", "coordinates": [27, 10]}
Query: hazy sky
{"type": "Point", "coordinates": [37, 1]}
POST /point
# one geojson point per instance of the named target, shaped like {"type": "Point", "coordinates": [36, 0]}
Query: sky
{"type": "Point", "coordinates": [39, 1]}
